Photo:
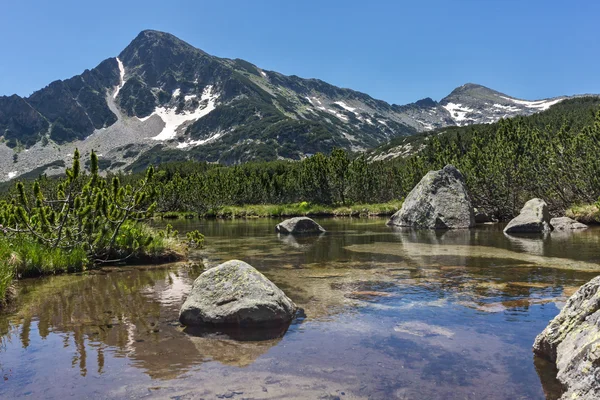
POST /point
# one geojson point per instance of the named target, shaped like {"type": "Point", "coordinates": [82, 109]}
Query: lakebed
{"type": "Point", "coordinates": [387, 314]}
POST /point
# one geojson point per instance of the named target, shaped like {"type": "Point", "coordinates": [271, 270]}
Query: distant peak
{"type": "Point", "coordinates": [426, 102]}
{"type": "Point", "coordinates": [468, 87]}
{"type": "Point", "coordinates": [151, 39]}
{"type": "Point", "coordinates": [471, 90]}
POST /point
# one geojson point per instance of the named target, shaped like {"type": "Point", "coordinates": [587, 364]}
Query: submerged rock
{"type": "Point", "coordinates": [299, 225]}
{"type": "Point", "coordinates": [572, 341]}
{"type": "Point", "coordinates": [533, 218]}
{"type": "Point", "coordinates": [566, 224]}
{"type": "Point", "coordinates": [439, 201]}
{"type": "Point", "coordinates": [235, 293]}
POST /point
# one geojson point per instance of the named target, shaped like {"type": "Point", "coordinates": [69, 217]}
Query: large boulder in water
{"type": "Point", "coordinates": [572, 341]}
{"type": "Point", "coordinates": [533, 218]}
{"type": "Point", "coordinates": [439, 201]}
{"type": "Point", "coordinates": [299, 225]}
{"type": "Point", "coordinates": [566, 224]}
{"type": "Point", "coordinates": [235, 293]}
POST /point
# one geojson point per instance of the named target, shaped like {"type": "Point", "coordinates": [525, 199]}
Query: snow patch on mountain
{"type": "Point", "coordinates": [542, 105]}
{"type": "Point", "coordinates": [122, 76]}
{"type": "Point", "coordinates": [337, 114]}
{"type": "Point", "coordinates": [506, 108]}
{"type": "Point", "coordinates": [173, 120]}
{"type": "Point", "coordinates": [193, 143]}
{"type": "Point", "coordinates": [458, 112]}
{"type": "Point", "coordinates": [345, 107]}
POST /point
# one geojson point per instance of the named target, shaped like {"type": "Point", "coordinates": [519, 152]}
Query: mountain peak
{"type": "Point", "coordinates": [154, 44]}
{"type": "Point", "coordinates": [472, 89]}
{"type": "Point", "coordinates": [471, 92]}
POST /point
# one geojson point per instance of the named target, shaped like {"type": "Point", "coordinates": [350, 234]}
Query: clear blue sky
{"type": "Point", "coordinates": [398, 51]}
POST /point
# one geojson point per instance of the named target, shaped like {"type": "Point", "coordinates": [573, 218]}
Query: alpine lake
{"type": "Point", "coordinates": [387, 314]}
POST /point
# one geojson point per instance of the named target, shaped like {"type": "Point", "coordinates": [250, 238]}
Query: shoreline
{"type": "Point", "coordinates": [288, 211]}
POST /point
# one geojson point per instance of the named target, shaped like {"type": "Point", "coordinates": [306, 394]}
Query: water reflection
{"type": "Point", "coordinates": [389, 314]}
{"type": "Point", "coordinates": [134, 313]}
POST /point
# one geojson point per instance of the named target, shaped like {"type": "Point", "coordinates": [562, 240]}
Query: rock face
{"type": "Point", "coordinates": [299, 225]}
{"type": "Point", "coordinates": [534, 218]}
{"type": "Point", "coordinates": [439, 201]}
{"type": "Point", "coordinates": [235, 293]}
{"type": "Point", "coordinates": [572, 341]}
{"type": "Point", "coordinates": [566, 224]}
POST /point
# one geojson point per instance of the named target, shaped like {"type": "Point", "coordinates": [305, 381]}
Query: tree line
{"type": "Point", "coordinates": [553, 155]}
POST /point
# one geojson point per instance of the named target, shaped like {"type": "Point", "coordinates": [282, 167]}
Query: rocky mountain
{"type": "Point", "coordinates": [162, 99]}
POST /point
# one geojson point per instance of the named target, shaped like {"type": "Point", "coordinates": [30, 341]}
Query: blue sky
{"type": "Point", "coordinates": [397, 51]}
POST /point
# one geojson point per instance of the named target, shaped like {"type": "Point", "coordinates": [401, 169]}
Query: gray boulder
{"type": "Point", "coordinates": [572, 341]}
{"type": "Point", "coordinates": [299, 225]}
{"type": "Point", "coordinates": [533, 218]}
{"type": "Point", "coordinates": [439, 201]}
{"type": "Point", "coordinates": [235, 293]}
{"type": "Point", "coordinates": [566, 224]}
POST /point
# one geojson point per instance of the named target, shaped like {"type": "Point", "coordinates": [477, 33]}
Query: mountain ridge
{"type": "Point", "coordinates": [163, 95]}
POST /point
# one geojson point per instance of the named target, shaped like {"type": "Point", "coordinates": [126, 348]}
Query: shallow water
{"type": "Point", "coordinates": [388, 315]}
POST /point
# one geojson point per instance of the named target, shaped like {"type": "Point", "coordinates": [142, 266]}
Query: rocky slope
{"type": "Point", "coordinates": [162, 99]}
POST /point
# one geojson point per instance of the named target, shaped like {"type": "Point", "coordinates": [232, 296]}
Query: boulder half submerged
{"type": "Point", "coordinates": [235, 294]}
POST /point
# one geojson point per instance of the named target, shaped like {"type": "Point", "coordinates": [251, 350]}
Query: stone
{"type": "Point", "coordinates": [439, 201]}
{"type": "Point", "coordinates": [299, 225]}
{"type": "Point", "coordinates": [533, 218]}
{"type": "Point", "coordinates": [572, 342]}
{"type": "Point", "coordinates": [235, 294]}
{"type": "Point", "coordinates": [481, 217]}
{"type": "Point", "coordinates": [566, 224]}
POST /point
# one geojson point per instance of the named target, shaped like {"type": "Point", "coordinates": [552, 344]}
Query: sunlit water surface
{"type": "Point", "coordinates": [388, 315]}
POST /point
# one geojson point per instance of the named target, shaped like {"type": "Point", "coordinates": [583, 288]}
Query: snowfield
{"type": "Point", "coordinates": [458, 112]}
{"type": "Point", "coordinates": [173, 121]}
{"type": "Point", "coordinates": [541, 105]}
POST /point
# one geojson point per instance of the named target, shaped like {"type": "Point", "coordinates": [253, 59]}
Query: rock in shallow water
{"type": "Point", "coordinates": [533, 218]}
{"type": "Point", "coordinates": [235, 293]}
{"type": "Point", "coordinates": [299, 225]}
{"type": "Point", "coordinates": [439, 201]}
{"type": "Point", "coordinates": [566, 224]}
{"type": "Point", "coordinates": [572, 341]}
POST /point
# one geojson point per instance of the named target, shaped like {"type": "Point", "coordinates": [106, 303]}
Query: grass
{"type": "Point", "coordinates": [304, 209]}
{"type": "Point", "coordinates": [584, 213]}
{"type": "Point", "coordinates": [24, 258]}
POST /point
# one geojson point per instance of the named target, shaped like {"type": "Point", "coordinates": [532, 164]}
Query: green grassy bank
{"type": "Point", "coordinates": [290, 210]}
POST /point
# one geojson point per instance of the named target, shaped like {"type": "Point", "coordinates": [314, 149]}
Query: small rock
{"type": "Point", "coordinates": [481, 217]}
{"type": "Point", "coordinates": [299, 225]}
{"type": "Point", "coordinates": [533, 218]}
{"type": "Point", "coordinates": [566, 224]}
